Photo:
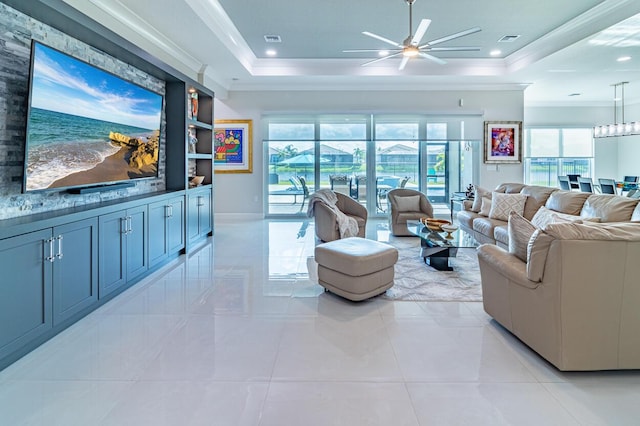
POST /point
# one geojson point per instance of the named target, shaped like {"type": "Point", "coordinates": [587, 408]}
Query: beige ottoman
{"type": "Point", "coordinates": [356, 268]}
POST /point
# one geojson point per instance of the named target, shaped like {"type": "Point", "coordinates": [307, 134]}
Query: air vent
{"type": "Point", "coordinates": [272, 39]}
{"type": "Point", "coordinates": [508, 38]}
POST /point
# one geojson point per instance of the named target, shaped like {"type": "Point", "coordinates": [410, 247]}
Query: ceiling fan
{"type": "Point", "coordinates": [411, 47]}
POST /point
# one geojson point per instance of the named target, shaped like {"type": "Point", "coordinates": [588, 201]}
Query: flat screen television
{"type": "Point", "coordinates": [85, 126]}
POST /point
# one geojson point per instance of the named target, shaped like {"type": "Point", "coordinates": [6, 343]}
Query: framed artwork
{"type": "Point", "coordinates": [232, 146]}
{"type": "Point", "coordinates": [502, 142]}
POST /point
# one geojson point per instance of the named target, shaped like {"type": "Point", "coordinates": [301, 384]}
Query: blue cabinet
{"type": "Point", "coordinates": [122, 250]}
{"type": "Point", "coordinates": [166, 229]}
{"type": "Point", "coordinates": [25, 289]}
{"type": "Point", "coordinates": [199, 214]}
{"type": "Point", "coordinates": [75, 268]}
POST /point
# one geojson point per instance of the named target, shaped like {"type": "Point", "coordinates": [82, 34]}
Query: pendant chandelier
{"type": "Point", "coordinates": [619, 127]}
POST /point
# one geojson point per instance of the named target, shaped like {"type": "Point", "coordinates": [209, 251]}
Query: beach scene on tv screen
{"type": "Point", "coordinates": [87, 126]}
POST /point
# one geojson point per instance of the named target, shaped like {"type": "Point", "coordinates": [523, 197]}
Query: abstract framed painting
{"type": "Point", "coordinates": [502, 142]}
{"type": "Point", "coordinates": [232, 145]}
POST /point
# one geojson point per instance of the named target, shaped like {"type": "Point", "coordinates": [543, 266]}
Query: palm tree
{"type": "Point", "coordinates": [358, 153]}
{"type": "Point", "coordinates": [289, 151]}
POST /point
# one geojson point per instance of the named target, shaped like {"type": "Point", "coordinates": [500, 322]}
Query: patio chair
{"type": "Point", "coordinates": [297, 188]}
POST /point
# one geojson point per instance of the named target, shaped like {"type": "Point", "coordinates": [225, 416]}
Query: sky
{"type": "Point", "coordinates": [63, 84]}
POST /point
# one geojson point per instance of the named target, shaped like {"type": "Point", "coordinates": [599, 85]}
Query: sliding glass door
{"type": "Point", "coordinates": [364, 157]}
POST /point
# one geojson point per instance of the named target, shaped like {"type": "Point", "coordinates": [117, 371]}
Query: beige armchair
{"type": "Point", "coordinates": [406, 204]}
{"type": "Point", "coordinates": [326, 223]}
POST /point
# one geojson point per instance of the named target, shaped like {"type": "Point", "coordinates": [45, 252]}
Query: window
{"type": "Point", "coordinates": [550, 152]}
{"type": "Point", "coordinates": [364, 156]}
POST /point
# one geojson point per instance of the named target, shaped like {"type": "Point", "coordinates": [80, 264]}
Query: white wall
{"type": "Point", "coordinates": [242, 193]}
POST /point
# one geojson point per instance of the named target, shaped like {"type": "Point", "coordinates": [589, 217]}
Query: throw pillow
{"type": "Point", "coordinates": [485, 206]}
{"type": "Point", "coordinates": [477, 198]}
{"type": "Point", "coordinates": [503, 204]}
{"type": "Point", "coordinates": [545, 216]}
{"type": "Point", "coordinates": [408, 204]}
{"type": "Point", "coordinates": [537, 254]}
{"type": "Point", "coordinates": [520, 231]}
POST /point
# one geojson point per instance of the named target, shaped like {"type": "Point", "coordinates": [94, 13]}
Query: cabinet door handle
{"type": "Point", "coordinates": [123, 225]}
{"type": "Point", "coordinates": [51, 257]}
{"type": "Point", "coordinates": [200, 202]}
{"type": "Point", "coordinates": [170, 211]}
{"type": "Point", "coordinates": [59, 254]}
{"type": "Point", "coordinates": [129, 225]}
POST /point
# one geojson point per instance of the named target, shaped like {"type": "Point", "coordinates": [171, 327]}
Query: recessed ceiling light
{"type": "Point", "coordinates": [383, 53]}
{"type": "Point", "coordinates": [271, 52]}
{"type": "Point", "coordinates": [624, 58]}
{"type": "Point", "coordinates": [495, 52]}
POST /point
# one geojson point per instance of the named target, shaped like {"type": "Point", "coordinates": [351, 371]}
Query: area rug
{"type": "Point", "coordinates": [417, 281]}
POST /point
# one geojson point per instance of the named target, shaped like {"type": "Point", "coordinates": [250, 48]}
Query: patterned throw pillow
{"type": "Point", "coordinates": [520, 231]}
{"type": "Point", "coordinates": [503, 204]}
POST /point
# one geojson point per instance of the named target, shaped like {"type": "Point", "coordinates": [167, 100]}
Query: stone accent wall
{"type": "Point", "coordinates": [16, 32]}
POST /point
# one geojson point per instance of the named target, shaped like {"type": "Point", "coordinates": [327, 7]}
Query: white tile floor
{"type": "Point", "coordinates": [236, 334]}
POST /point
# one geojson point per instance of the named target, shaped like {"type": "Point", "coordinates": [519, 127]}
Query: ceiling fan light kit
{"type": "Point", "coordinates": [617, 128]}
{"type": "Point", "coordinates": [411, 47]}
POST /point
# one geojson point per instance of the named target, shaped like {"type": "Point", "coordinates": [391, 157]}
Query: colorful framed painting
{"type": "Point", "coordinates": [232, 146]}
{"type": "Point", "coordinates": [502, 142]}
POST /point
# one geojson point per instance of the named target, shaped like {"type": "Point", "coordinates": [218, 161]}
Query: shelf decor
{"type": "Point", "coordinates": [232, 146]}
{"type": "Point", "coordinates": [502, 142]}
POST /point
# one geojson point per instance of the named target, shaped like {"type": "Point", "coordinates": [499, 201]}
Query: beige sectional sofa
{"type": "Point", "coordinates": [595, 207]}
{"type": "Point", "coordinates": [569, 288]}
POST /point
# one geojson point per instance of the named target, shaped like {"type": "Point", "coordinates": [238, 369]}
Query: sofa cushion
{"type": "Point", "coordinates": [510, 188]}
{"type": "Point", "coordinates": [409, 203]}
{"type": "Point", "coordinates": [622, 231]}
{"type": "Point", "coordinates": [503, 204]}
{"type": "Point", "coordinates": [537, 196]}
{"type": "Point", "coordinates": [609, 208]}
{"type": "Point", "coordinates": [519, 231]}
{"type": "Point", "coordinates": [485, 207]}
{"type": "Point", "coordinates": [486, 226]}
{"type": "Point", "coordinates": [501, 235]}
{"type": "Point", "coordinates": [544, 217]}
{"type": "Point", "coordinates": [466, 218]}
{"type": "Point", "coordinates": [567, 202]}
{"type": "Point", "coordinates": [477, 198]}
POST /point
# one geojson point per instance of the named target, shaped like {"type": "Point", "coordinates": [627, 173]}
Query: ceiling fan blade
{"type": "Point", "coordinates": [422, 28]}
{"type": "Point", "coordinates": [403, 63]}
{"type": "Point", "coordinates": [433, 58]}
{"type": "Point", "coordinates": [381, 59]}
{"type": "Point", "coordinates": [454, 49]}
{"type": "Point", "coordinates": [377, 37]}
{"type": "Point", "coordinates": [366, 50]}
{"type": "Point", "coordinates": [452, 36]}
